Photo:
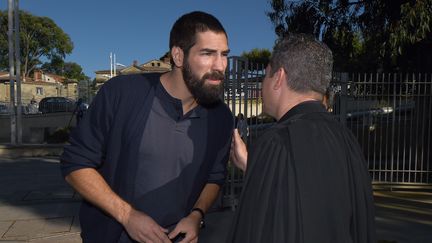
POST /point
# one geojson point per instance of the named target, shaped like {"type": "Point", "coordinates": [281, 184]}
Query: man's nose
{"type": "Point", "coordinates": [220, 63]}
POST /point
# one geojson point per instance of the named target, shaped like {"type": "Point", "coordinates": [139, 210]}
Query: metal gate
{"type": "Point", "coordinates": [390, 114]}
{"type": "Point", "coordinates": [242, 93]}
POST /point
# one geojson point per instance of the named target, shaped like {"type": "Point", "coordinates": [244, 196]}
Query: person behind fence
{"type": "Point", "coordinates": [33, 106]}
{"type": "Point", "coordinates": [79, 111]}
{"type": "Point", "coordinates": [150, 155]}
{"type": "Point", "coordinates": [306, 178]}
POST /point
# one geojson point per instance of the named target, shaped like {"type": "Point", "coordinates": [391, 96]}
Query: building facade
{"type": "Point", "coordinates": [40, 86]}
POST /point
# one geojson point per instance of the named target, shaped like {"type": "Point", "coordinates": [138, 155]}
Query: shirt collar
{"type": "Point", "coordinates": [175, 106]}
{"type": "Point", "coordinates": [304, 108]}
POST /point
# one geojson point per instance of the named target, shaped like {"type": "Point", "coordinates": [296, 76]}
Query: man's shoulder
{"type": "Point", "coordinates": [136, 81]}
{"type": "Point", "coordinates": [275, 135]}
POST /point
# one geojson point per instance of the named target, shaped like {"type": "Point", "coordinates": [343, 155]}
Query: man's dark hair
{"type": "Point", "coordinates": [184, 30]}
{"type": "Point", "coordinates": [307, 62]}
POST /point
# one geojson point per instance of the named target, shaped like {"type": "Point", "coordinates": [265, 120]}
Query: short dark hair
{"type": "Point", "coordinates": [307, 62]}
{"type": "Point", "coordinates": [184, 30]}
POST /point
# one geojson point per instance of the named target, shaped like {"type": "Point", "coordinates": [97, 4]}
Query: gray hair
{"type": "Point", "coordinates": [307, 62]}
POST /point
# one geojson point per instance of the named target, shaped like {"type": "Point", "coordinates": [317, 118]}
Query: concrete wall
{"type": "Point", "coordinates": [28, 91]}
{"type": "Point", "coordinates": [36, 127]}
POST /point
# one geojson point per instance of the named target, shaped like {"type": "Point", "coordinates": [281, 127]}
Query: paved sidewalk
{"type": "Point", "coordinates": [36, 205]}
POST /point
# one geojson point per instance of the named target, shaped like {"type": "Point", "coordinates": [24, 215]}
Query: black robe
{"type": "Point", "coordinates": [306, 181]}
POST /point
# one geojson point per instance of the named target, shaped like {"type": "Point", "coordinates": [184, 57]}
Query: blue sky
{"type": "Point", "coordinates": [139, 29]}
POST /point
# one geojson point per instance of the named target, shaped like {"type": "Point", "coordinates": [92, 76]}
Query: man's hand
{"type": "Point", "coordinates": [238, 153]}
{"type": "Point", "coordinates": [143, 228]}
{"type": "Point", "coordinates": [189, 226]}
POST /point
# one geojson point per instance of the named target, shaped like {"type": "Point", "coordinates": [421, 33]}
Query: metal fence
{"type": "Point", "coordinates": [390, 114]}
{"type": "Point", "coordinates": [242, 93]}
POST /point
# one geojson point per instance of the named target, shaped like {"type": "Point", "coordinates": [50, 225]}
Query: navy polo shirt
{"type": "Point", "coordinates": [170, 155]}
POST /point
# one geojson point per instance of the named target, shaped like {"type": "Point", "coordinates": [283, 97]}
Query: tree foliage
{"type": "Point", "coordinates": [257, 57]}
{"type": "Point", "coordinates": [40, 39]}
{"type": "Point", "coordinates": [364, 35]}
{"type": "Point", "coordinates": [69, 70]}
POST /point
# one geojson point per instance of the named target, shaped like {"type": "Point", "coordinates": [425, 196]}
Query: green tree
{"type": "Point", "coordinates": [257, 58]}
{"type": "Point", "coordinates": [365, 34]}
{"type": "Point", "coordinates": [56, 66]}
{"type": "Point", "coordinates": [69, 70]}
{"type": "Point", "coordinates": [40, 39]}
{"type": "Point", "coordinates": [73, 70]}
{"type": "Point", "coordinates": [165, 56]}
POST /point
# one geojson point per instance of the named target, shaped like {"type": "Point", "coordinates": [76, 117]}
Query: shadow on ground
{"type": "Point", "coordinates": [404, 216]}
{"type": "Point", "coordinates": [35, 201]}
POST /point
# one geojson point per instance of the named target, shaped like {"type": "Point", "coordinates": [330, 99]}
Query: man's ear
{"type": "Point", "coordinates": [177, 55]}
{"type": "Point", "coordinates": [280, 77]}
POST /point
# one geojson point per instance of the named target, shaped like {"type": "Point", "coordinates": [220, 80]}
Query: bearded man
{"type": "Point", "coordinates": [150, 155]}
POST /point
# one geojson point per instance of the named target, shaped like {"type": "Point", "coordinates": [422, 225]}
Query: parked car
{"type": "Point", "coordinates": [56, 104]}
{"type": "Point", "coordinates": [4, 108]}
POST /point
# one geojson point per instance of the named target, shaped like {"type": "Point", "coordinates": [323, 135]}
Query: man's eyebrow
{"type": "Point", "coordinates": [213, 50]}
{"type": "Point", "coordinates": [208, 50]}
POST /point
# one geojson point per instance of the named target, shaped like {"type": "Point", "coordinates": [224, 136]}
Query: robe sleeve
{"type": "Point", "coordinates": [269, 192]}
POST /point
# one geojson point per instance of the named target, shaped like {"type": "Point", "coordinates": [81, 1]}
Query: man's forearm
{"type": "Point", "coordinates": [93, 187]}
{"type": "Point", "coordinates": [207, 196]}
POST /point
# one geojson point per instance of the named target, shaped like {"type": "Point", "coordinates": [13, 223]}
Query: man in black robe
{"type": "Point", "coordinates": [306, 177]}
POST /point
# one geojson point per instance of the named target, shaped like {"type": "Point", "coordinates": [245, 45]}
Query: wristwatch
{"type": "Point", "coordinates": [199, 210]}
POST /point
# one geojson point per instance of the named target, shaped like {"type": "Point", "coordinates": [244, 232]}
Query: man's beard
{"type": "Point", "coordinates": [205, 94]}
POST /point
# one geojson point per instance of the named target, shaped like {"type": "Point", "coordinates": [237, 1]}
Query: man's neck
{"type": "Point", "coordinates": [293, 100]}
{"type": "Point", "coordinates": [175, 86]}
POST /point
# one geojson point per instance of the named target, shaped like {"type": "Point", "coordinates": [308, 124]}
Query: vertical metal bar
{"type": "Point", "coordinates": [244, 90]}
{"type": "Point", "coordinates": [380, 85]}
{"type": "Point", "coordinates": [392, 148]}
{"type": "Point", "coordinates": [388, 127]}
{"type": "Point", "coordinates": [429, 145]}
{"type": "Point", "coordinates": [384, 122]}
{"type": "Point", "coordinates": [377, 170]}
{"type": "Point", "coordinates": [343, 98]}
{"type": "Point", "coordinates": [18, 74]}
{"type": "Point", "coordinates": [416, 138]}
{"type": "Point", "coordinates": [405, 127]}
{"type": "Point", "coordinates": [249, 92]}
{"type": "Point", "coordinates": [411, 128]}
{"type": "Point", "coordinates": [423, 128]}
{"type": "Point", "coordinates": [11, 72]}
{"type": "Point", "coordinates": [368, 135]}
{"type": "Point", "coordinates": [232, 169]}
{"type": "Point", "coordinates": [416, 127]}
{"type": "Point", "coordinates": [234, 83]}
{"type": "Point", "coordinates": [360, 95]}
{"type": "Point", "coordinates": [399, 126]}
